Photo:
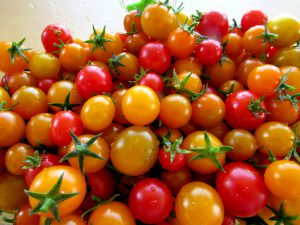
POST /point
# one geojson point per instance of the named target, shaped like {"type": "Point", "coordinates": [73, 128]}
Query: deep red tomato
{"type": "Point", "coordinates": [209, 52]}
{"type": "Point", "coordinates": [229, 220]}
{"type": "Point", "coordinates": [253, 18]}
{"type": "Point", "coordinates": [44, 161]}
{"type": "Point", "coordinates": [93, 80]}
{"type": "Point", "coordinates": [102, 183]}
{"type": "Point", "coordinates": [156, 57]}
{"type": "Point", "coordinates": [242, 183]}
{"type": "Point", "coordinates": [150, 201]}
{"type": "Point", "coordinates": [213, 24]}
{"type": "Point", "coordinates": [165, 160]}
{"type": "Point", "coordinates": [45, 84]}
{"type": "Point", "coordinates": [55, 34]}
{"type": "Point", "coordinates": [62, 123]}
{"type": "Point", "coordinates": [154, 81]}
{"type": "Point", "coordinates": [244, 111]}
{"type": "Point", "coordinates": [23, 216]}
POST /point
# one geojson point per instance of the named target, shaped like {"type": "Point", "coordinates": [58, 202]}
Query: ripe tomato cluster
{"type": "Point", "coordinates": [181, 120]}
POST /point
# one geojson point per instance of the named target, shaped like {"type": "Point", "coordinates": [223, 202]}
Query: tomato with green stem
{"type": "Point", "coordinates": [187, 64]}
{"type": "Point", "coordinates": [233, 45]}
{"type": "Point", "coordinates": [4, 97]}
{"type": "Point", "coordinates": [292, 78]}
{"type": "Point", "coordinates": [154, 81]}
{"type": "Point", "coordinates": [209, 52]}
{"type": "Point", "coordinates": [132, 21]}
{"type": "Point", "coordinates": [253, 18]}
{"type": "Point", "coordinates": [23, 216]}
{"type": "Point", "coordinates": [170, 133]}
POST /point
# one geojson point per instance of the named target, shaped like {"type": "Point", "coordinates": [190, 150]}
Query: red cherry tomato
{"type": "Point", "coordinates": [209, 52]}
{"type": "Point", "coordinates": [154, 81]}
{"type": "Point", "coordinates": [253, 18]}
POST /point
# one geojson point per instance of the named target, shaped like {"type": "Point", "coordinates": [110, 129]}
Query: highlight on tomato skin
{"type": "Point", "coordinates": [175, 119]}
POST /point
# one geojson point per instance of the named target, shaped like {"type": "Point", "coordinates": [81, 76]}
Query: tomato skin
{"type": "Point", "coordinates": [47, 161]}
{"type": "Point", "coordinates": [287, 57]}
{"type": "Point", "coordinates": [292, 79]}
{"type": "Point", "coordinates": [155, 57]}
{"type": "Point", "coordinates": [188, 64]}
{"type": "Point", "coordinates": [164, 160]}
{"type": "Point", "coordinates": [61, 125]}
{"type": "Point", "coordinates": [55, 33]}
{"type": "Point", "coordinates": [252, 43]}
{"type": "Point", "coordinates": [45, 84]}
{"type": "Point", "coordinates": [93, 80]}
{"type": "Point", "coordinates": [154, 81]}
{"type": "Point", "coordinates": [73, 181]}
{"type": "Point", "coordinates": [17, 80]}
{"type": "Point", "coordinates": [253, 18]}
{"type": "Point", "coordinates": [234, 46]}
{"type": "Point", "coordinates": [150, 201]}
{"type": "Point", "coordinates": [23, 216]}
{"type": "Point", "coordinates": [245, 68]}
{"type": "Point", "coordinates": [132, 19]}
{"type": "Point", "coordinates": [110, 133]}
{"type": "Point", "coordinates": [119, 115]}
{"type": "Point", "coordinates": [220, 130]}
{"type": "Point", "coordinates": [237, 113]}
{"type": "Point", "coordinates": [12, 128]}
{"type": "Point", "coordinates": [190, 210]}
{"type": "Point", "coordinates": [242, 183]}
{"type": "Point", "coordinates": [113, 212]}
{"type": "Point", "coordinates": [209, 52]}
{"type": "Point", "coordinates": [213, 24]}
{"type": "Point", "coordinates": [70, 219]}
{"type": "Point", "coordinates": [229, 220]}
{"type": "Point", "coordinates": [135, 42]}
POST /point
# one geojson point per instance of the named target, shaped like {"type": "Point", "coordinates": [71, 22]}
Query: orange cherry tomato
{"type": "Point", "coordinates": [245, 68]}
{"type": "Point", "coordinates": [16, 81]}
{"type": "Point", "coordinates": [234, 45]}
{"type": "Point", "coordinates": [188, 64]}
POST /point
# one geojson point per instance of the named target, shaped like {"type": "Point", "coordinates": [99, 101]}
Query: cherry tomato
{"type": "Point", "coordinates": [220, 130]}
{"type": "Point", "coordinates": [23, 216]}
{"type": "Point", "coordinates": [226, 87]}
{"type": "Point", "coordinates": [113, 212]}
{"type": "Point", "coordinates": [209, 52]}
{"type": "Point", "coordinates": [62, 123]}
{"type": "Point", "coordinates": [93, 80]}
{"type": "Point", "coordinates": [4, 97]}
{"type": "Point", "coordinates": [189, 207]}
{"type": "Point", "coordinates": [213, 24]}
{"type": "Point", "coordinates": [276, 137]}
{"type": "Point", "coordinates": [283, 172]}
{"type": "Point", "coordinates": [110, 133]}
{"type": "Point", "coordinates": [287, 57]}
{"type": "Point", "coordinates": [193, 83]}
{"type": "Point", "coordinates": [175, 110]}
{"type": "Point", "coordinates": [252, 18]}
{"type": "Point", "coordinates": [140, 105]}
{"type": "Point", "coordinates": [234, 45]}
{"type": "Point", "coordinates": [132, 22]}
{"type": "Point", "coordinates": [155, 57]}
{"type": "Point", "coordinates": [154, 81]}
{"type": "Point", "coordinates": [177, 163]}
{"type": "Point", "coordinates": [118, 98]}
{"type": "Point", "coordinates": [72, 182]}
{"type": "Point", "coordinates": [188, 64]}
{"type": "Point", "coordinates": [292, 78]}
{"type": "Point", "coordinates": [134, 151]}
{"type": "Point", "coordinates": [245, 68]}
{"type": "Point", "coordinates": [242, 183]}
{"type": "Point", "coordinates": [135, 42]}
{"type": "Point", "coordinates": [55, 34]}
{"type": "Point", "coordinates": [245, 110]}
{"type": "Point", "coordinates": [16, 81]}
{"type": "Point", "coordinates": [173, 134]}
{"type": "Point", "coordinates": [158, 21]}
{"type": "Point", "coordinates": [45, 84]}
{"type": "Point", "coordinates": [150, 201]}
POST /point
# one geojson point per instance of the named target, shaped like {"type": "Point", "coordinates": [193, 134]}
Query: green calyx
{"type": "Point", "coordinates": [267, 36]}
{"type": "Point", "coordinates": [12, 216]}
{"type": "Point", "coordinates": [16, 49]}
{"type": "Point", "coordinates": [293, 152]}
{"type": "Point", "coordinates": [174, 147]}
{"type": "Point", "coordinates": [98, 40]}
{"type": "Point", "coordinates": [81, 150]}
{"type": "Point", "coordinates": [197, 17]}
{"type": "Point", "coordinates": [188, 28]}
{"type": "Point", "coordinates": [66, 105]}
{"type": "Point", "coordinates": [2, 106]}
{"type": "Point", "coordinates": [234, 25]}
{"type": "Point", "coordinates": [139, 76]}
{"type": "Point", "coordinates": [210, 152]}
{"type": "Point", "coordinates": [50, 200]}
{"type": "Point", "coordinates": [33, 161]}
{"type": "Point", "coordinates": [255, 108]}
{"type": "Point", "coordinates": [115, 62]}
{"type": "Point", "coordinates": [281, 217]}
{"type": "Point", "coordinates": [226, 93]}
{"type": "Point", "coordinates": [167, 4]}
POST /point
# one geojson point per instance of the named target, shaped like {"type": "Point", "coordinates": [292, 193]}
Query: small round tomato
{"type": "Point", "coordinates": [263, 80]}
{"type": "Point", "coordinates": [135, 42]}
{"type": "Point", "coordinates": [150, 201]}
{"type": "Point", "coordinates": [97, 113]}
{"type": "Point", "coordinates": [58, 92]}
{"type": "Point", "coordinates": [45, 84]}
{"type": "Point", "coordinates": [245, 68]}
{"type": "Point", "coordinates": [113, 212]}
{"type": "Point", "coordinates": [12, 128]}
{"type": "Point", "coordinates": [189, 207]}
{"type": "Point", "coordinates": [177, 162]}
{"type": "Point", "coordinates": [158, 21]}
{"type": "Point", "coordinates": [72, 182]}
{"type": "Point", "coordinates": [15, 157]}
{"type": "Point", "coordinates": [91, 164]}
{"type": "Point", "coordinates": [156, 57]}
{"type": "Point", "coordinates": [175, 110]}
{"type": "Point", "coordinates": [252, 18]}
{"type": "Point", "coordinates": [220, 130]}
{"type": "Point", "coordinates": [62, 123]}
{"type": "Point", "coordinates": [44, 66]}
{"type": "Point", "coordinates": [118, 98]}
{"type": "Point", "coordinates": [110, 133]}
{"type": "Point", "coordinates": [73, 56]}
{"type": "Point", "coordinates": [209, 52]}
{"type": "Point", "coordinates": [213, 24]}
{"type": "Point", "coordinates": [280, 173]}
{"type": "Point", "coordinates": [234, 45]}
{"type": "Point", "coordinates": [140, 105]}
{"type": "Point", "coordinates": [16, 81]}
{"type": "Point", "coordinates": [193, 83]}
{"type": "Point", "coordinates": [23, 216]}
{"type": "Point", "coordinates": [287, 57]}
{"type": "Point", "coordinates": [242, 183]}
{"type": "Point", "coordinates": [253, 42]}
{"type": "Point", "coordinates": [55, 34]}
{"type": "Point", "coordinates": [243, 143]}
{"type": "Point", "coordinates": [172, 134]}
{"type": "Point", "coordinates": [190, 127]}
{"type": "Point", "coordinates": [292, 78]}
{"type": "Point", "coordinates": [208, 110]}
{"type": "Point", "coordinates": [154, 81]}
{"type": "Point", "coordinates": [188, 64]}
{"type": "Point", "coordinates": [230, 86]}
{"type": "Point", "coordinates": [276, 137]}
{"type": "Point", "coordinates": [134, 151]}
{"type": "Point", "coordinates": [132, 22]}
{"type": "Point", "coordinates": [93, 80]}
{"type": "Point", "coordinates": [287, 28]}
{"type": "Point", "coordinates": [29, 101]}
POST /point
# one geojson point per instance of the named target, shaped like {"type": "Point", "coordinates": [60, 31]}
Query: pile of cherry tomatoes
{"type": "Point", "coordinates": [178, 120]}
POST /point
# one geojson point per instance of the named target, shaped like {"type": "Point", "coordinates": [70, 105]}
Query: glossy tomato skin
{"type": "Point", "coordinates": [45, 84]}
{"type": "Point", "coordinates": [252, 18]}
{"type": "Point", "coordinates": [17, 80]}
{"type": "Point", "coordinates": [209, 52]}
{"type": "Point", "coordinates": [155, 57]}
{"type": "Point", "coordinates": [23, 216]}
{"type": "Point", "coordinates": [165, 161]}
{"type": "Point", "coordinates": [154, 81]}
{"type": "Point", "coordinates": [213, 24]}
{"type": "Point", "coordinates": [55, 33]}
{"type": "Point", "coordinates": [242, 183]}
{"type": "Point", "coordinates": [47, 161]}
{"type": "Point", "coordinates": [150, 201]}
{"type": "Point", "coordinates": [237, 113]}
{"type": "Point", "coordinates": [93, 80]}
{"type": "Point", "coordinates": [287, 57]}
{"type": "Point", "coordinates": [61, 125]}
{"type": "Point", "coordinates": [190, 208]}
